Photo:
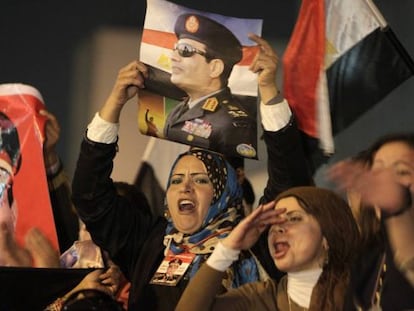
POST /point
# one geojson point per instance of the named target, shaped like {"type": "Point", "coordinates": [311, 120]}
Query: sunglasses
{"type": "Point", "coordinates": [187, 50]}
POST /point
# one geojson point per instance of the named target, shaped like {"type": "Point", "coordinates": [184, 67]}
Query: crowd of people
{"type": "Point", "coordinates": [302, 248]}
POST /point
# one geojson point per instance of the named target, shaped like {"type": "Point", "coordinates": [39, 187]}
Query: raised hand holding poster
{"type": "Point", "coordinates": [200, 90]}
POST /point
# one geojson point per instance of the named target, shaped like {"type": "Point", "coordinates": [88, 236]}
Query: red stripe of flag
{"type": "Point", "coordinates": [302, 64]}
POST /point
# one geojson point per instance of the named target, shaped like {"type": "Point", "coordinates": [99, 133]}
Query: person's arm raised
{"type": "Point", "coordinates": [246, 233]}
{"type": "Point", "coordinates": [201, 292]}
{"type": "Point", "coordinates": [391, 192]}
{"type": "Point", "coordinates": [265, 65]}
{"type": "Point", "coordinates": [130, 79]}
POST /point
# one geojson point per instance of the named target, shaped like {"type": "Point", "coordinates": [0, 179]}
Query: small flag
{"type": "Point", "coordinates": [342, 59]}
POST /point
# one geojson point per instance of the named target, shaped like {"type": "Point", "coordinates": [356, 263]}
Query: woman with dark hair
{"type": "Point", "coordinates": [313, 237]}
{"type": "Point", "coordinates": [380, 187]}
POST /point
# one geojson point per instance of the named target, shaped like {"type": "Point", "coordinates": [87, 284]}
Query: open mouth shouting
{"type": "Point", "coordinates": [280, 249]}
{"type": "Point", "coordinates": [186, 206]}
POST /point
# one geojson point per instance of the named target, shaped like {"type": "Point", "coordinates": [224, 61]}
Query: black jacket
{"type": "Point", "coordinates": [134, 238]}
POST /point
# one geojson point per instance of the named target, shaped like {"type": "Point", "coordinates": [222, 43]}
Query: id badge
{"type": "Point", "coordinates": [172, 269]}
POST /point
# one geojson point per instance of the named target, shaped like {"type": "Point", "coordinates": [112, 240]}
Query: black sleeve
{"type": "Point", "coordinates": [287, 167]}
{"type": "Point", "coordinates": [115, 224]}
{"type": "Point", "coordinates": [64, 214]}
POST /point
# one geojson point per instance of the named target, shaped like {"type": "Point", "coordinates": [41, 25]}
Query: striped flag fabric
{"type": "Point", "coordinates": [341, 60]}
{"type": "Point", "coordinates": [25, 201]}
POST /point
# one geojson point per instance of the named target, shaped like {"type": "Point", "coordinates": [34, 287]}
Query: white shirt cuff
{"type": "Point", "coordinates": [276, 116]}
{"type": "Point", "coordinates": [222, 257]}
{"type": "Point", "coordinates": [102, 131]}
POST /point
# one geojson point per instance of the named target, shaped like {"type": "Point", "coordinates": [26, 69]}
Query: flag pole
{"type": "Point", "coordinates": [376, 12]}
{"type": "Point", "coordinates": [148, 148]}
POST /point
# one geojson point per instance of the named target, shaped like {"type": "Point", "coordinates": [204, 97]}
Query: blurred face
{"type": "Point", "coordinates": [297, 244]}
{"type": "Point", "coordinates": [398, 156]}
{"type": "Point", "coordinates": [191, 73]}
{"type": "Point", "coordinates": [189, 194]}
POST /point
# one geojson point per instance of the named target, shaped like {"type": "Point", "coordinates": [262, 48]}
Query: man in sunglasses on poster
{"type": "Point", "coordinates": [210, 117]}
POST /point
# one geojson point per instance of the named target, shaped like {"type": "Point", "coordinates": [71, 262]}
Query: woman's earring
{"type": "Point", "coordinates": [167, 214]}
{"type": "Point", "coordinates": [325, 247]}
{"type": "Point", "coordinates": [326, 259]}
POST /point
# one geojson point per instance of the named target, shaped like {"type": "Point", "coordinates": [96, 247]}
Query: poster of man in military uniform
{"type": "Point", "coordinates": [200, 91]}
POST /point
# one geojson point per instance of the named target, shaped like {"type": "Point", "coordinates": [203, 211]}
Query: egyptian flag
{"type": "Point", "coordinates": [21, 159]}
{"type": "Point", "coordinates": [341, 60]}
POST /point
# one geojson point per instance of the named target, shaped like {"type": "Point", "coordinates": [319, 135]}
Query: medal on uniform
{"type": "Point", "coordinates": [237, 113]}
{"type": "Point", "coordinates": [246, 150]}
{"type": "Point", "coordinates": [172, 268]}
{"type": "Point", "coordinates": [198, 127]}
{"type": "Point", "coordinates": [231, 107]}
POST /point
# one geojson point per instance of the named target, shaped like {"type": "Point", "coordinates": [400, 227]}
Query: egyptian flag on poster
{"type": "Point", "coordinates": [341, 60]}
{"type": "Point", "coordinates": [156, 47]}
{"type": "Point", "coordinates": [25, 201]}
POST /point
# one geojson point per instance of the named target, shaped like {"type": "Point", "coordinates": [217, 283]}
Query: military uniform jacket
{"type": "Point", "coordinates": [218, 123]}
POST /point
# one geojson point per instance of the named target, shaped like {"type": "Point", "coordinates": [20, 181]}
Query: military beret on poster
{"type": "Point", "coordinates": [220, 41]}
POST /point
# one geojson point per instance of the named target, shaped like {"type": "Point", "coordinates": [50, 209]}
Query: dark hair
{"type": "Point", "coordinates": [405, 138]}
{"type": "Point", "coordinates": [339, 228]}
{"type": "Point", "coordinates": [91, 299]}
{"type": "Point", "coordinates": [368, 222]}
